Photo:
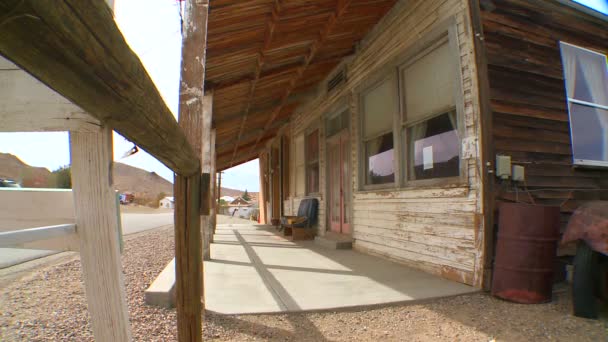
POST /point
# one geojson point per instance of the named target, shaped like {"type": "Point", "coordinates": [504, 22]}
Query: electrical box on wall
{"type": "Point", "coordinates": [503, 167]}
{"type": "Point", "coordinates": [518, 173]}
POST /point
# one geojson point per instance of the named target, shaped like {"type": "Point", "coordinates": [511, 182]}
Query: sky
{"type": "Point", "coordinates": [598, 5]}
{"type": "Point", "coordinates": [152, 29]}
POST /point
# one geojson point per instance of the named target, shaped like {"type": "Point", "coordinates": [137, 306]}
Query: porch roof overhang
{"type": "Point", "coordinates": [265, 56]}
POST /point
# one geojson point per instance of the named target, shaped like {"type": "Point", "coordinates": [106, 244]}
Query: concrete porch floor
{"type": "Point", "coordinates": [255, 270]}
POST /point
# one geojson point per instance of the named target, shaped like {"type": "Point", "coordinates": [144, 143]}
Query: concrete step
{"type": "Point", "coordinates": [162, 291]}
{"type": "Point", "coordinates": [335, 241]}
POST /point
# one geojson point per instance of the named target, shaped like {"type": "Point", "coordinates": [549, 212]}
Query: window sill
{"type": "Point", "coordinates": [448, 183]}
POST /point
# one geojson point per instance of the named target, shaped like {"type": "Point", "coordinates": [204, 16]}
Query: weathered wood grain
{"type": "Point", "coordinates": [529, 98]}
{"type": "Point", "coordinates": [75, 48]}
{"type": "Point", "coordinates": [189, 284]}
{"type": "Point", "coordinates": [97, 228]}
{"type": "Point", "coordinates": [27, 105]}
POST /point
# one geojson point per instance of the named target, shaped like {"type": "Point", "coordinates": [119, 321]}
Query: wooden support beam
{"type": "Point", "coordinates": [206, 168]}
{"type": "Point", "coordinates": [187, 190]}
{"type": "Point", "coordinates": [213, 190]}
{"type": "Point", "coordinates": [341, 7]}
{"type": "Point", "coordinates": [61, 237]}
{"type": "Point", "coordinates": [484, 233]}
{"type": "Point", "coordinates": [76, 48]}
{"type": "Point", "coordinates": [27, 105]}
{"type": "Point", "coordinates": [97, 228]}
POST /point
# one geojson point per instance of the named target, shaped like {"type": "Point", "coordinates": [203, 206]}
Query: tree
{"type": "Point", "coordinates": [246, 196]}
{"type": "Point", "coordinates": [62, 177]}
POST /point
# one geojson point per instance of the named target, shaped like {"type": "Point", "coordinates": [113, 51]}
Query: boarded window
{"type": "Point", "coordinates": [312, 162]}
{"type": "Point", "coordinates": [431, 127]}
{"type": "Point", "coordinates": [586, 74]}
{"type": "Point", "coordinates": [300, 180]}
{"type": "Point", "coordinates": [379, 108]}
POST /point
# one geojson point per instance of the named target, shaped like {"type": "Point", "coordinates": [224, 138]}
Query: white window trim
{"type": "Point", "coordinates": [446, 29]}
{"type": "Point", "coordinates": [582, 162]}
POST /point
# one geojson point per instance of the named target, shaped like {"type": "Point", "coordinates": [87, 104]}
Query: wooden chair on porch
{"type": "Point", "coordinates": [301, 227]}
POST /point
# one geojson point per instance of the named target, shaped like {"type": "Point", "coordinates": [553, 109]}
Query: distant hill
{"type": "Point", "coordinates": [236, 193]}
{"type": "Point", "coordinates": [145, 185]}
{"type": "Point", "coordinates": [12, 167]}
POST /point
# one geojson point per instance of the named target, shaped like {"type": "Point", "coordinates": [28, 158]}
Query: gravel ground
{"type": "Point", "coordinates": [49, 305]}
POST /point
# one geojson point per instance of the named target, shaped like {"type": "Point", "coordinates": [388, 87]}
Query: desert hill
{"type": "Point", "coordinates": [235, 193]}
{"type": "Point", "coordinates": [145, 185]}
{"type": "Point", "coordinates": [12, 167]}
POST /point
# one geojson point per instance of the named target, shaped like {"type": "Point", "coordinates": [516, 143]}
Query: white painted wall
{"type": "Point", "coordinates": [29, 208]}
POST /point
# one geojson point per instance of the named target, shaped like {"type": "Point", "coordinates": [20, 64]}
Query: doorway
{"type": "Point", "coordinates": [339, 181]}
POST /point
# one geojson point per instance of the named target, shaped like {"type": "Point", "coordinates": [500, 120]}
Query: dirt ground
{"type": "Point", "coordinates": [48, 304]}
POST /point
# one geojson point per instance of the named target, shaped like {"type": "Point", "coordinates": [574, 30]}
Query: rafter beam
{"type": "Point", "coordinates": [341, 7]}
{"type": "Point", "coordinates": [294, 99]}
{"type": "Point", "coordinates": [261, 56]}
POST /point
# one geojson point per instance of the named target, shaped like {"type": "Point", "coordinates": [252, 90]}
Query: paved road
{"type": "Point", "coordinates": [131, 223]}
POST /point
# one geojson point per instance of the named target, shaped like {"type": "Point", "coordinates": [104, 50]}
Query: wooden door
{"type": "Point", "coordinates": [338, 153]}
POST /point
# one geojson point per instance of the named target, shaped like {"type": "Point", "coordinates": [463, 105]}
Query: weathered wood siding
{"type": "Point", "coordinates": [437, 229]}
{"type": "Point", "coordinates": [528, 96]}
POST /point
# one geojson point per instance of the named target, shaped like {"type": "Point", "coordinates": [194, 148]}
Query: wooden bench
{"type": "Point", "coordinates": [301, 227]}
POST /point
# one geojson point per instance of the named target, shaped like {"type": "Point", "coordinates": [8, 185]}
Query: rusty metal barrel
{"type": "Point", "coordinates": [525, 252]}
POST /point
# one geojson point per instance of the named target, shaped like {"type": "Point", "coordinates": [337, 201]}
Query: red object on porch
{"type": "Point", "coordinates": [590, 224]}
{"type": "Point", "coordinates": [525, 252]}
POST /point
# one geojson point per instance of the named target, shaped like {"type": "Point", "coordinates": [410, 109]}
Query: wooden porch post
{"type": "Point", "coordinates": [97, 228]}
{"type": "Point", "coordinates": [206, 168]}
{"type": "Point", "coordinates": [188, 257]}
{"type": "Point", "coordinates": [213, 188]}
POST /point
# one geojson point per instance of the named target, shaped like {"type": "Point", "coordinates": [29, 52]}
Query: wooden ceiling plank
{"type": "Point", "coordinates": [267, 39]}
{"type": "Point", "coordinates": [341, 7]}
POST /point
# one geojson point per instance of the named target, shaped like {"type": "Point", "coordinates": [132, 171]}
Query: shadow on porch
{"type": "Point", "coordinates": [255, 270]}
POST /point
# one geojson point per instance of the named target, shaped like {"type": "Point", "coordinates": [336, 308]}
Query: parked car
{"type": "Point", "coordinates": [8, 183]}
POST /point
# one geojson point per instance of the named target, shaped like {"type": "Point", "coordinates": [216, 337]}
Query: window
{"type": "Point", "coordinates": [430, 121]}
{"type": "Point", "coordinates": [410, 120]}
{"type": "Point", "coordinates": [586, 75]}
{"type": "Point", "coordinates": [312, 162]}
{"type": "Point", "coordinates": [336, 123]}
{"type": "Point", "coordinates": [379, 105]}
{"type": "Point", "coordinates": [300, 186]}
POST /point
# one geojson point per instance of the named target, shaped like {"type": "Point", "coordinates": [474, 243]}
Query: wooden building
{"type": "Point", "coordinates": [392, 113]}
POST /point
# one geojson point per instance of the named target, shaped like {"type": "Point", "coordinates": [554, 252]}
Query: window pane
{"type": "Point", "coordinates": [312, 146]}
{"type": "Point", "coordinates": [312, 172]}
{"type": "Point", "coordinates": [380, 160]}
{"type": "Point", "coordinates": [589, 133]}
{"type": "Point", "coordinates": [586, 74]}
{"type": "Point", "coordinates": [428, 84]}
{"type": "Point", "coordinates": [434, 148]}
{"type": "Point", "coordinates": [379, 107]}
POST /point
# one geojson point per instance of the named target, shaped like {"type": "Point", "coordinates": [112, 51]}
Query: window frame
{"type": "Point", "coordinates": [298, 165]}
{"type": "Point", "coordinates": [373, 83]}
{"type": "Point", "coordinates": [446, 35]}
{"type": "Point", "coordinates": [311, 129]}
{"type": "Point", "coordinates": [444, 32]}
{"type": "Point", "coordinates": [581, 162]}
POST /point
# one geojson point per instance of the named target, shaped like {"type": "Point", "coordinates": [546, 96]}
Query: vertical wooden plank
{"type": "Point", "coordinates": [188, 254]}
{"type": "Point", "coordinates": [97, 228]}
{"type": "Point", "coordinates": [484, 237]}
{"type": "Point", "coordinates": [213, 188]}
{"type": "Point", "coordinates": [262, 195]}
{"type": "Point", "coordinates": [206, 168]}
